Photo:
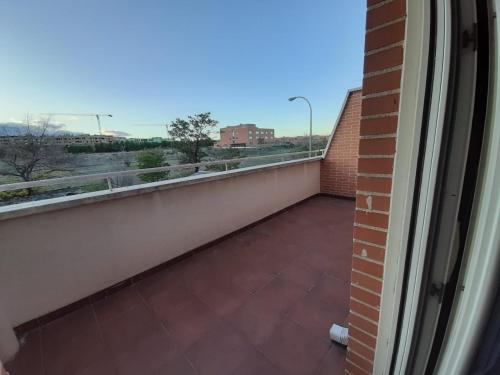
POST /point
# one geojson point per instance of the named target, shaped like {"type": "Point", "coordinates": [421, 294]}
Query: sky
{"type": "Point", "coordinates": [150, 62]}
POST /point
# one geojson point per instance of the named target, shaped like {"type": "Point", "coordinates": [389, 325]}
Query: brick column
{"type": "Point", "coordinates": [385, 33]}
{"type": "Point", "coordinates": [340, 165]}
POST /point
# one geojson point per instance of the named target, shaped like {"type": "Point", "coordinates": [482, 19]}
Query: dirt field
{"type": "Point", "coordinates": [120, 161]}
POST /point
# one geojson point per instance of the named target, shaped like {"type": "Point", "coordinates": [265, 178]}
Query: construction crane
{"type": "Point", "coordinates": [96, 115]}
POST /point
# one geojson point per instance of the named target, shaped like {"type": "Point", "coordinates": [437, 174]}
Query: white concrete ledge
{"type": "Point", "coordinates": [52, 204]}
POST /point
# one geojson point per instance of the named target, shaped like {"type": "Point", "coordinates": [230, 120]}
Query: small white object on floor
{"type": "Point", "coordinates": [339, 334]}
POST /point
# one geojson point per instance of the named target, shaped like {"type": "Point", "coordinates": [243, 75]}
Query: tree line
{"type": "Point", "coordinates": [127, 145]}
{"type": "Point", "coordinates": [35, 159]}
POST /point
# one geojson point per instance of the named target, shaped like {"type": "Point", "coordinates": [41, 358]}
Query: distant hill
{"type": "Point", "coordinates": [16, 129]}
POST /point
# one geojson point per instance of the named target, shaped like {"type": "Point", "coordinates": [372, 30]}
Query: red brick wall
{"type": "Point", "coordinates": [340, 166]}
{"type": "Point", "coordinates": [241, 133]}
{"type": "Point", "coordinates": [247, 134]}
{"type": "Point", "coordinates": [385, 33]}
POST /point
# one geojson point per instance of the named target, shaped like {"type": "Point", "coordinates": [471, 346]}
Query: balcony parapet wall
{"type": "Point", "coordinates": [58, 251]}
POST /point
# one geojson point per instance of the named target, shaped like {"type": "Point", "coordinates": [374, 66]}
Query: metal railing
{"type": "Point", "coordinates": [108, 176]}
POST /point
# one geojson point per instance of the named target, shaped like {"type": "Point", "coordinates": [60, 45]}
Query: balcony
{"type": "Point", "coordinates": [258, 299]}
{"type": "Point", "coordinates": [265, 295]}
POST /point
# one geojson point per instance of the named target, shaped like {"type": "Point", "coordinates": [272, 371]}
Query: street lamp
{"type": "Point", "coordinates": [310, 119]}
{"type": "Point", "coordinates": [97, 116]}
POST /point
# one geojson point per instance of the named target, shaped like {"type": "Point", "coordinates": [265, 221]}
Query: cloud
{"type": "Point", "coordinates": [56, 127]}
{"type": "Point", "coordinates": [116, 133]}
{"type": "Point", "coordinates": [14, 128]}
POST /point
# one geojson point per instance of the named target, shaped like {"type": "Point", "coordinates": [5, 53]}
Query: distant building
{"type": "Point", "coordinates": [64, 140]}
{"type": "Point", "coordinates": [244, 135]}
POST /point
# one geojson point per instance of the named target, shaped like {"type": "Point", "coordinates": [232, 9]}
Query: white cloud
{"type": "Point", "coordinates": [116, 133]}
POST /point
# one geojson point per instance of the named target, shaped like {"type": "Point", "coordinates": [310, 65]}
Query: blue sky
{"type": "Point", "coordinates": [153, 61]}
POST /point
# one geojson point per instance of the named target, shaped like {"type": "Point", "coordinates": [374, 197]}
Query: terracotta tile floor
{"type": "Point", "coordinates": [260, 302]}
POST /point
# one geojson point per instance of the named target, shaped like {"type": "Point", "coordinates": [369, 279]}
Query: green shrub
{"type": "Point", "coordinates": [151, 159]}
{"type": "Point", "coordinates": [13, 194]}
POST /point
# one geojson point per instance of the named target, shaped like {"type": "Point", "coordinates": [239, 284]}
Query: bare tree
{"type": "Point", "coordinates": [33, 156]}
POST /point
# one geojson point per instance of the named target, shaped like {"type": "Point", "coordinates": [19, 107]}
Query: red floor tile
{"type": "Point", "coordinates": [257, 364]}
{"type": "Point", "coordinates": [219, 351]}
{"type": "Point", "coordinates": [341, 269]}
{"type": "Point", "coordinates": [193, 274]}
{"type": "Point", "coordinates": [72, 343]}
{"type": "Point", "coordinates": [245, 266]}
{"type": "Point", "coordinates": [246, 305]}
{"type": "Point", "coordinates": [125, 331]}
{"type": "Point", "coordinates": [331, 289]}
{"type": "Point", "coordinates": [317, 316]}
{"type": "Point", "coordinates": [69, 326]}
{"type": "Point", "coordinates": [259, 316]}
{"type": "Point", "coordinates": [105, 366]}
{"type": "Point", "coordinates": [250, 277]}
{"type": "Point", "coordinates": [224, 298]}
{"type": "Point", "coordinates": [73, 355]}
{"type": "Point", "coordinates": [253, 255]}
{"type": "Point", "coordinates": [276, 297]}
{"type": "Point", "coordinates": [168, 302]}
{"type": "Point", "coordinates": [28, 360]}
{"type": "Point", "coordinates": [321, 261]}
{"type": "Point", "coordinates": [253, 235]}
{"type": "Point", "coordinates": [282, 254]}
{"type": "Point", "coordinates": [117, 303]}
{"type": "Point", "coordinates": [256, 324]}
{"type": "Point", "coordinates": [157, 282]}
{"type": "Point", "coordinates": [190, 322]}
{"type": "Point", "coordinates": [301, 274]}
{"type": "Point", "coordinates": [334, 361]}
{"type": "Point", "coordinates": [295, 350]}
{"type": "Point", "coordinates": [148, 355]}
{"type": "Point", "coordinates": [178, 366]}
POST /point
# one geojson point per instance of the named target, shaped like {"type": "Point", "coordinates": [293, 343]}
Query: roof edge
{"type": "Point", "coordinates": [339, 116]}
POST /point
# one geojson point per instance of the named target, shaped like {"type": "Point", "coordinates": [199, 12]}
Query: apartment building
{"type": "Point", "coordinates": [245, 135]}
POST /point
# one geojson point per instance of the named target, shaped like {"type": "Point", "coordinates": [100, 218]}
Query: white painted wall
{"type": "Point", "coordinates": [53, 258]}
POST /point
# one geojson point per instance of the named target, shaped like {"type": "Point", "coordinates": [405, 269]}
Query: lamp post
{"type": "Point", "coordinates": [310, 119]}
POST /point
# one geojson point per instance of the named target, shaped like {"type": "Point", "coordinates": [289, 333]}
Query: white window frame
{"type": "Point", "coordinates": [479, 273]}
{"type": "Point", "coordinates": [413, 86]}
